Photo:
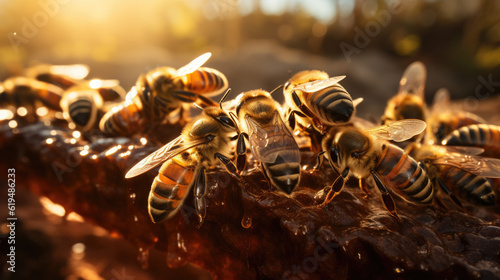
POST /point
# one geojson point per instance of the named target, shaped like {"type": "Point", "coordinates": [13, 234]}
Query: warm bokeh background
{"type": "Point", "coordinates": [257, 43]}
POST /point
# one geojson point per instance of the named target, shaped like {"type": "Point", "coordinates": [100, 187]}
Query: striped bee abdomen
{"type": "Point", "coordinates": [475, 189]}
{"type": "Point", "coordinates": [283, 174]}
{"type": "Point", "coordinates": [205, 81]}
{"type": "Point", "coordinates": [403, 175]}
{"type": "Point", "coordinates": [124, 119]}
{"type": "Point", "coordinates": [80, 111]}
{"type": "Point", "coordinates": [169, 189]}
{"type": "Point", "coordinates": [332, 105]}
{"type": "Point", "coordinates": [474, 135]}
{"type": "Point", "coordinates": [281, 148]}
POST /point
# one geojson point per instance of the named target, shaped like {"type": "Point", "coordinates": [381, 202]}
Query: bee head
{"type": "Point", "coordinates": [160, 79]}
{"type": "Point", "coordinates": [352, 146]}
{"type": "Point", "coordinates": [222, 118]}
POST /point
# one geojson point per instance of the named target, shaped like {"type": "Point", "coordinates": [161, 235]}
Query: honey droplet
{"type": "Point", "coordinates": [246, 221]}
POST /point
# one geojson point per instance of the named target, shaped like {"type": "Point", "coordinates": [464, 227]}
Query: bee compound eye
{"type": "Point", "coordinates": [356, 154]}
{"type": "Point", "coordinates": [226, 120]}
{"type": "Point", "coordinates": [209, 138]}
{"type": "Point", "coordinates": [334, 155]}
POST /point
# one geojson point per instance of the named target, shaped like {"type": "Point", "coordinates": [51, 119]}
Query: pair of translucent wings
{"type": "Point", "coordinates": [467, 159]}
{"type": "Point", "coordinates": [194, 64]}
{"type": "Point", "coordinates": [317, 85]}
{"type": "Point", "coordinates": [168, 151]}
{"type": "Point", "coordinates": [413, 80]}
{"type": "Point", "coordinates": [184, 70]}
{"type": "Point", "coordinates": [73, 71]}
{"type": "Point", "coordinates": [264, 141]}
{"type": "Point", "coordinates": [398, 131]}
{"type": "Point", "coordinates": [272, 140]}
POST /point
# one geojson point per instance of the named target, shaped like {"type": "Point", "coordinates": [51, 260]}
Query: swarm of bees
{"type": "Point", "coordinates": [415, 153]}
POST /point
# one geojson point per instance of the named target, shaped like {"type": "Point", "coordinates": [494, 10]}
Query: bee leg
{"type": "Point", "coordinates": [316, 138]}
{"type": "Point", "coordinates": [386, 196]}
{"type": "Point", "coordinates": [291, 118]}
{"type": "Point", "coordinates": [241, 152]}
{"type": "Point", "coordinates": [440, 203]}
{"type": "Point", "coordinates": [200, 188]}
{"type": "Point", "coordinates": [451, 195]}
{"type": "Point", "coordinates": [229, 165]}
{"type": "Point", "coordinates": [306, 111]}
{"type": "Point", "coordinates": [363, 187]}
{"type": "Point", "coordinates": [319, 161]}
{"type": "Point", "coordinates": [336, 187]}
{"type": "Point", "coordinates": [191, 97]}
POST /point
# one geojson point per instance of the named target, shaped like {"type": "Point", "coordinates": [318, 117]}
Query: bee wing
{"type": "Point", "coordinates": [437, 152]}
{"type": "Point", "coordinates": [357, 101]}
{"type": "Point", "coordinates": [266, 145]}
{"type": "Point", "coordinates": [193, 65]}
{"type": "Point", "coordinates": [441, 102]}
{"type": "Point", "coordinates": [131, 94]}
{"type": "Point", "coordinates": [399, 131]}
{"type": "Point", "coordinates": [314, 86]}
{"type": "Point", "coordinates": [363, 123]}
{"type": "Point", "coordinates": [161, 155]}
{"type": "Point", "coordinates": [98, 83]}
{"type": "Point", "coordinates": [413, 80]}
{"type": "Point", "coordinates": [74, 71]}
{"type": "Point", "coordinates": [473, 151]}
{"type": "Point", "coordinates": [477, 165]}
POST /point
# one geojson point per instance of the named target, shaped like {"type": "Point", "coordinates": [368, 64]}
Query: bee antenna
{"type": "Point", "coordinates": [276, 89]}
{"type": "Point", "coordinates": [198, 106]}
{"type": "Point", "coordinates": [289, 74]}
{"type": "Point", "coordinates": [224, 97]}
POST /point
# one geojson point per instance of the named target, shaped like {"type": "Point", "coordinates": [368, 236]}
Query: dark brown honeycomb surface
{"type": "Point", "coordinates": [253, 231]}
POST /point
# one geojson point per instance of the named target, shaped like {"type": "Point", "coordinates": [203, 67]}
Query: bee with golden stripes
{"type": "Point", "coordinates": [204, 142]}
{"type": "Point", "coordinates": [318, 100]}
{"type": "Point", "coordinates": [362, 153]}
{"type": "Point", "coordinates": [459, 170]}
{"type": "Point", "coordinates": [271, 143]}
{"type": "Point", "coordinates": [443, 119]}
{"type": "Point", "coordinates": [161, 93]}
{"type": "Point", "coordinates": [84, 104]}
{"type": "Point", "coordinates": [63, 76]}
{"type": "Point", "coordinates": [486, 136]}
{"type": "Point", "coordinates": [409, 102]}
{"type": "Point", "coordinates": [30, 94]}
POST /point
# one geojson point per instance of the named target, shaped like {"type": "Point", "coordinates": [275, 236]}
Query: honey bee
{"type": "Point", "coordinates": [362, 153]}
{"type": "Point", "coordinates": [271, 143]}
{"type": "Point", "coordinates": [485, 136]}
{"type": "Point", "coordinates": [63, 76]}
{"type": "Point", "coordinates": [443, 120]}
{"type": "Point", "coordinates": [409, 102]}
{"type": "Point", "coordinates": [161, 92]}
{"type": "Point", "coordinates": [84, 104]}
{"type": "Point", "coordinates": [459, 169]}
{"type": "Point", "coordinates": [29, 93]}
{"type": "Point", "coordinates": [203, 143]}
{"type": "Point", "coordinates": [318, 100]}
